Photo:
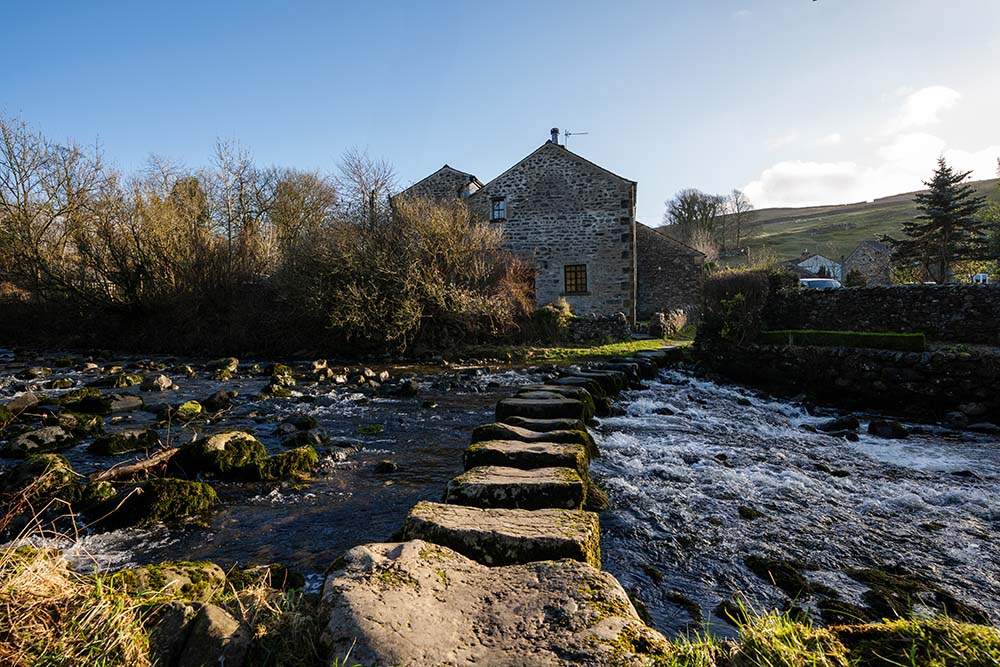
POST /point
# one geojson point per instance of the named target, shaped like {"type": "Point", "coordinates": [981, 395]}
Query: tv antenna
{"type": "Point", "coordinates": [572, 134]}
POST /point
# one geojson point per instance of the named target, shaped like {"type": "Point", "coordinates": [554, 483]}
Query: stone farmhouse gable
{"type": "Point", "coordinates": [873, 260]}
{"type": "Point", "coordinates": [574, 222]}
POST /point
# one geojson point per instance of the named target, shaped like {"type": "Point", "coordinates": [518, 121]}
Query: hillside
{"type": "Point", "coordinates": [833, 231]}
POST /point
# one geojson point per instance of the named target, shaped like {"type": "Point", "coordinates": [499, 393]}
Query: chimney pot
{"type": "Point", "coordinates": [555, 135]}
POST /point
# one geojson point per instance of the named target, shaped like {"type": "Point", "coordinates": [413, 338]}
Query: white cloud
{"type": "Point", "coordinates": [904, 158]}
{"type": "Point", "coordinates": [923, 108]}
{"type": "Point", "coordinates": [741, 14]}
{"type": "Point", "coordinates": [783, 140]}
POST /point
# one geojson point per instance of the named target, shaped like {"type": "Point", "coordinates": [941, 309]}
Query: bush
{"type": "Point", "coordinates": [734, 300]}
{"type": "Point", "coordinates": [901, 342]}
{"type": "Point", "coordinates": [551, 322]}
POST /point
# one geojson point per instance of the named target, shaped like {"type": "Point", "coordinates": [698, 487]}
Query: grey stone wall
{"type": "Point", "coordinates": [564, 210]}
{"type": "Point", "coordinates": [668, 274]}
{"type": "Point", "coordinates": [599, 328]}
{"type": "Point", "coordinates": [445, 183]}
{"type": "Point", "coordinates": [954, 313]}
{"type": "Point", "coordinates": [928, 384]}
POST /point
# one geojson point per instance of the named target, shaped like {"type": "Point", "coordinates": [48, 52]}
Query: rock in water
{"type": "Point", "coordinates": [416, 603]}
{"type": "Point", "coordinates": [156, 383]}
{"type": "Point", "coordinates": [528, 455]}
{"type": "Point", "coordinates": [886, 428]}
{"type": "Point", "coordinates": [45, 439]}
{"type": "Point", "coordinates": [512, 488]}
{"type": "Point", "coordinates": [507, 537]}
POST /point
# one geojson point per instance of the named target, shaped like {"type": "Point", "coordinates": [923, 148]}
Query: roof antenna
{"type": "Point", "coordinates": [571, 134]}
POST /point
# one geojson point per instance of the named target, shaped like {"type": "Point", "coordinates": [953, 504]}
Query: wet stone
{"type": "Point", "coordinates": [512, 488]}
{"type": "Point", "coordinates": [507, 536]}
{"type": "Point", "coordinates": [611, 382]}
{"type": "Point", "coordinates": [545, 425]}
{"type": "Point", "coordinates": [528, 455]}
{"type": "Point", "coordinates": [415, 603]}
{"type": "Point", "coordinates": [540, 409]}
{"type": "Point", "coordinates": [510, 432]}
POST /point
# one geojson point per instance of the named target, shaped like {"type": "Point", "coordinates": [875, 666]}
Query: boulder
{"type": "Point", "coordinates": [96, 403]}
{"type": "Point", "coordinates": [845, 423]}
{"type": "Point", "coordinates": [230, 455]}
{"type": "Point", "coordinates": [47, 472]}
{"type": "Point", "coordinates": [156, 383]}
{"type": "Point", "coordinates": [129, 440]}
{"type": "Point", "coordinates": [528, 455]}
{"type": "Point", "coordinates": [512, 488]}
{"type": "Point", "coordinates": [34, 373]}
{"type": "Point", "coordinates": [540, 409]}
{"type": "Point", "coordinates": [189, 581]}
{"type": "Point", "coordinates": [217, 402]}
{"type": "Point", "coordinates": [168, 500]}
{"type": "Point", "coordinates": [504, 431]}
{"type": "Point", "coordinates": [297, 462]}
{"type": "Point", "coordinates": [169, 626]}
{"type": "Point", "coordinates": [45, 439]}
{"type": "Point", "coordinates": [507, 536]}
{"type": "Point", "coordinates": [80, 425]}
{"type": "Point", "coordinates": [215, 638]}
{"type": "Point", "coordinates": [229, 364]}
{"type": "Point", "coordinates": [886, 428]}
{"type": "Point", "coordinates": [415, 603]}
{"type": "Point", "coordinates": [26, 401]}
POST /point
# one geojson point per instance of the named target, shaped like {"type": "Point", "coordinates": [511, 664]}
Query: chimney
{"type": "Point", "coordinates": [555, 135]}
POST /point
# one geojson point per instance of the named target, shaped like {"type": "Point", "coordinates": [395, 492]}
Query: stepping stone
{"type": "Point", "coordinates": [512, 488]}
{"type": "Point", "coordinates": [590, 384]}
{"type": "Point", "coordinates": [507, 537]}
{"type": "Point", "coordinates": [659, 356]}
{"type": "Point", "coordinates": [630, 370]}
{"type": "Point", "coordinates": [541, 408]}
{"type": "Point", "coordinates": [611, 381]}
{"type": "Point", "coordinates": [559, 393]}
{"type": "Point", "coordinates": [544, 425]}
{"type": "Point", "coordinates": [511, 432]}
{"type": "Point", "coordinates": [528, 455]}
{"type": "Point", "coordinates": [417, 603]}
{"type": "Point", "coordinates": [648, 369]}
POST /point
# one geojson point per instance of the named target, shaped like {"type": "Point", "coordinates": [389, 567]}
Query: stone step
{"type": "Point", "coordinates": [589, 408]}
{"type": "Point", "coordinates": [507, 536]}
{"type": "Point", "coordinates": [648, 369]}
{"type": "Point", "coordinates": [504, 431]}
{"type": "Point", "coordinates": [417, 603]}
{"type": "Point", "coordinates": [543, 425]}
{"type": "Point", "coordinates": [541, 408]}
{"type": "Point", "coordinates": [528, 455]}
{"type": "Point", "coordinates": [512, 488]}
{"type": "Point", "coordinates": [611, 381]}
{"type": "Point", "coordinates": [559, 391]}
{"type": "Point", "coordinates": [631, 371]}
{"type": "Point", "coordinates": [590, 384]}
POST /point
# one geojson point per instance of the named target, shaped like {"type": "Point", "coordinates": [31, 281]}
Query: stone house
{"type": "Point", "coordinates": [873, 260]}
{"type": "Point", "coordinates": [574, 222]}
{"type": "Point", "coordinates": [811, 265]}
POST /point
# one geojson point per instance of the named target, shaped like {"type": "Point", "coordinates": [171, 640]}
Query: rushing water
{"type": "Point", "coordinates": [928, 504]}
{"type": "Point", "coordinates": [675, 532]}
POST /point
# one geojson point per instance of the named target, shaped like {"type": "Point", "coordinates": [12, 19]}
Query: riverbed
{"type": "Point", "coordinates": [701, 477]}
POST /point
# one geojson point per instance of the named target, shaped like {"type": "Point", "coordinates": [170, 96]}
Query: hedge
{"type": "Point", "coordinates": [901, 342]}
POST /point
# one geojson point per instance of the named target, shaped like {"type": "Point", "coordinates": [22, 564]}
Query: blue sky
{"type": "Point", "coordinates": [796, 101]}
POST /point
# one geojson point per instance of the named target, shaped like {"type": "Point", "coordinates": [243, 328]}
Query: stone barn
{"type": "Point", "coordinates": [574, 222]}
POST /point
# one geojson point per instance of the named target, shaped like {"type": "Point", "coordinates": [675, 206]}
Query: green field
{"type": "Point", "coordinates": [833, 231]}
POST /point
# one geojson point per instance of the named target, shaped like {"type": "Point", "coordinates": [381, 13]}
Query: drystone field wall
{"type": "Point", "coordinates": [506, 570]}
{"type": "Point", "coordinates": [950, 313]}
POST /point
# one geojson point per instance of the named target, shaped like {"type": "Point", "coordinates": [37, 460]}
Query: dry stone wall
{"type": "Point", "coordinates": [951, 313]}
{"type": "Point", "coordinates": [669, 274]}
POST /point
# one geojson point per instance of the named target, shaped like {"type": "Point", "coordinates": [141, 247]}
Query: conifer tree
{"type": "Point", "coordinates": [948, 230]}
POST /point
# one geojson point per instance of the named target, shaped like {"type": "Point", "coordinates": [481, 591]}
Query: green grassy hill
{"type": "Point", "coordinates": [833, 231]}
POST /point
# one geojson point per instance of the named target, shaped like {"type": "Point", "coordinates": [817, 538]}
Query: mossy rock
{"type": "Point", "coordinates": [61, 383]}
{"type": "Point", "coordinates": [222, 375]}
{"type": "Point", "coordinates": [272, 576]}
{"type": "Point", "coordinates": [185, 412]}
{"type": "Point", "coordinates": [126, 380]}
{"type": "Point", "coordinates": [224, 364]}
{"type": "Point", "coordinates": [783, 574]}
{"type": "Point", "coordinates": [75, 396]}
{"type": "Point", "coordinates": [81, 425]}
{"type": "Point", "coordinates": [121, 442]}
{"type": "Point", "coordinates": [169, 501]}
{"type": "Point", "coordinates": [276, 391]}
{"type": "Point", "coordinates": [370, 429]}
{"type": "Point", "coordinates": [232, 455]}
{"type": "Point", "coordinates": [97, 492]}
{"type": "Point", "coordinates": [51, 472]}
{"type": "Point", "coordinates": [293, 463]}
{"type": "Point", "coordinates": [281, 375]}
{"type": "Point", "coordinates": [174, 580]}
{"type": "Point", "coordinates": [937, 642]}
{"type": "Point", "coordinates": [38, 441]}
{"type": "Point", "coordinates": [6, 416]}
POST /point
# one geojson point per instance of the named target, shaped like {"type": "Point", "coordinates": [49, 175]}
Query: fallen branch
{"type": "Point", "coordinates": [126, 471]}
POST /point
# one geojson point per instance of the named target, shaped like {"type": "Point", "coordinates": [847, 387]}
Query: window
{"type": "Point", "coordinates": [499, 210]}
{"type": "Point", "coordinates": [576, 278]}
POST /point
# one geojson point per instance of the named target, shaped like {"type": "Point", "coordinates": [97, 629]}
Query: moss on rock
{"type": "Point", "coordinates": [232, 455]}
{"type": "Point", "coordinates": [293, 463]}
{"type": "Point", "coordinates": [121, 442]}
{"type": "Point", "coordinates": [168, 500]}
{"type": "Point", "coordinates": [47, 472]}
{"type": "Point", "coordinates": [174, 580]}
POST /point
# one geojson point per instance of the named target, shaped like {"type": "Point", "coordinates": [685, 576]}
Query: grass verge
{"type": "Point", "coordinates": [529, 354]}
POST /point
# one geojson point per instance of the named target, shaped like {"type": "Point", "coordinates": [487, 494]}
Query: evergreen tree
{"type": "Point", "coordinates": [949, 228]}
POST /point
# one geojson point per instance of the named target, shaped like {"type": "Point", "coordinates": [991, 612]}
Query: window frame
{"type": "Point", "coordinates": [498, 205]}
{"type": "Point", "coordinates": [575, 275]}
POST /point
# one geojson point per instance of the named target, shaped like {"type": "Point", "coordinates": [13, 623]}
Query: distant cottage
{"type": "Point", "coordinates": [574, 221]}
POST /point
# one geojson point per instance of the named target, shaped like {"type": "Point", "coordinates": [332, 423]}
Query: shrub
{"type": "Point", "coordinates": [855, 279]}
{"type": "Point", "coordinates": [734, 300]}
{"type": "Point", "coordinates": [901, 342]}
{"type": "Point", "coordinates": [551, 321]}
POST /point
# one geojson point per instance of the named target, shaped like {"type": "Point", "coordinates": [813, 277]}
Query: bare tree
{"type": "Point", "coordinates": [364, 185]}
{"type": "Point", "coordinates": [740, 214]}
{"type": "Point", "coordinates": [693, 213]}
